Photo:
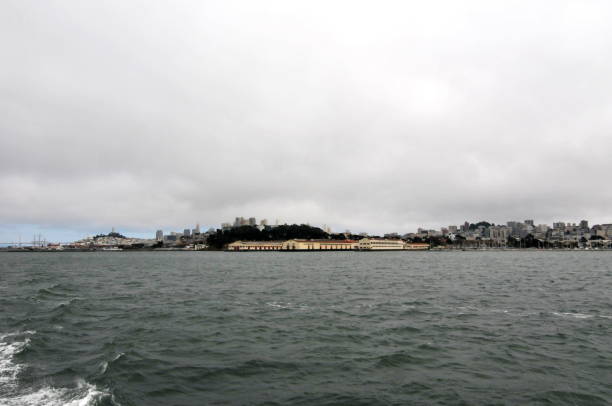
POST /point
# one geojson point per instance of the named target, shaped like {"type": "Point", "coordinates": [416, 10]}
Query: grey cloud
{"type": "Point", "coordinates": [366, 116]}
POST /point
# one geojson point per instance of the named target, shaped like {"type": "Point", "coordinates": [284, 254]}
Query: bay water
{"type": "Point", "coordinates": [334, 328]}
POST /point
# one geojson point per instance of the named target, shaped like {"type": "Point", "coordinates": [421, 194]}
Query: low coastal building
{"type": "Point", "coordinates": [320, 245]}
{"type": "Point", "coordinates": [380, 244]}
{"type": "Point", "coordinates": [255, 246]}
{"type": "Point", "coordinates": [365, 244]}
{"type": "Point", "coordinates": [416, 246]}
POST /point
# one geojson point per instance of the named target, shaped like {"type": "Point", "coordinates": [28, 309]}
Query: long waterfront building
{"type": "Point", "coordinates": [365, 244]}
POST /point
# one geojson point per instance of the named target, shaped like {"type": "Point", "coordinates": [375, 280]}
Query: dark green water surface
{"type": "Point", "coordinates": [215, 328]}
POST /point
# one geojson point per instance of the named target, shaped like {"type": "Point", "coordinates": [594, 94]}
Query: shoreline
{"type": "Point", "coordinates": [27, 250]}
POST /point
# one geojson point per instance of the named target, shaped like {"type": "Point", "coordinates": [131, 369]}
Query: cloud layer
{"type": "Point", "coordinates": [369, 116]}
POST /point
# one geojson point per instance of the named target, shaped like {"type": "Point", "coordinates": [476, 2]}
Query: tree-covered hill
{"type": "Point", "coordinates": [250, 233]}
{"type": "Point", "coordinates": [111, 234]}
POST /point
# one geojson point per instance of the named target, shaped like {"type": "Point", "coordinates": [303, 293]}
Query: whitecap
{"type": "Point", "coordinates": [574, 315]}
{"type": "Point", "coordinates": [84, 394]}
{"type": "Point", "coordinates": [18, 333]}
{"type": "Point", "coordinates": [89, 395]}
{"type": "Point", "coordinates": [12, 394]}
{"type": "Point", "coordinates": [288, 305]}
{"type": "Point", "coordinates": [8, 369]}
{"type": "Point", "coordinates": [44, 396]}
{"type": "Point", "coordinates": [104, 365]}
{"type": "Point", "coordinates": [279, 305]}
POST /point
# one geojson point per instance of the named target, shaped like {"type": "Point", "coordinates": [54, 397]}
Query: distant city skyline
{"type": "Point", "coordinates": [27, 235]}
{"type": "Point", "coordinates": [368, 117]}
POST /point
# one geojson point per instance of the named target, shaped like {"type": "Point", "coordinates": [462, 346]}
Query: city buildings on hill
{"type": "Point", "coordinates": [241, 221]}
{"type": "Point", "coordinates": [524, 233]}
{"type": "Point", "coordinates": [512, 234]}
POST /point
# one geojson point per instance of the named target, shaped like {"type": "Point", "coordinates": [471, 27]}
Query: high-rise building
{"type": "Point", "coordinates": [529, 222]}
{"type": "Point", "coordinates": [159, 235]}
{"type": "Point", "coordinates": [516, 227]}
{"type": "Point", "coordinates": [196, 230]}
{"type": "Point", "coordinates": [559, 225]}
{"type": "Point", "coordinates": [264, 222]}
{"type": "Point", "coordinates": [500, 233]}
{"type": "Point", "coordinates": [252, 221]}
{"type": "Point", "coordinates": [584, 224]}
{"type": "Point", "coordinates": [187, 232]}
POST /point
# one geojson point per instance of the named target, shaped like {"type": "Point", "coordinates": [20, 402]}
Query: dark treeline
{"type": "Point", "coordinates": [112, 234]}
{"type": "Point", "coordinates": [287, 232]}
{"type": "Point", "coordinates": [249, 233]}
{"type": "Point", "coordinates": [473, 226]}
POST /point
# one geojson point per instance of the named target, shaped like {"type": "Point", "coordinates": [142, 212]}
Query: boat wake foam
{"type": "Point", "coordinates": [84, 394]}
{"type": "Point", "coordinates": [14, 394]}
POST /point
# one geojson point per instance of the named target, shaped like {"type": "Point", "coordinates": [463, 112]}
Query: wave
{"type": "Point", "coordinates": [336, 399]}
{"type": "Point", "coordinates": [84, 394]}
{"type": "Point", "coordinates": [248, 368]}
{"type": "Point", "coordinates": [569, 397]}
{"type": "Point", "coordinates": [52, 291]}
{"type": "Point", "coordinates": [400, 358]}
{"type": "Point", "coordinates": [287, 305]}
{"type": "Point", "coordinates": [403, 329]}
{"type": "Point", "coordinates": [581, 315]}
{"type": "Point", "coordinates": [106, 364]}
{"type": "Point", "coordinates": [574, 315]}
{"type": "Point", "coordinates": [8, 369]}
{"type": "Point", "coordinates": [20, 333]}
{"type": "Point", "coordinates": [66, 303]}
{"type": "Point", "coordinates": [12, 393]}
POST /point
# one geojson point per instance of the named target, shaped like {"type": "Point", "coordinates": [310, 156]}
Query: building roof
{"type": "Point", "coordinates": [322, 240]}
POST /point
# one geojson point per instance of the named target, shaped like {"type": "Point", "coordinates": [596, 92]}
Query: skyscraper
{"type": "Point", "coordinates": [159, 235]}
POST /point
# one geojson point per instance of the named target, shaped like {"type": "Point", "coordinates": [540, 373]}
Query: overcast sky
{"type": "Point", "coordinates": [370, 116]}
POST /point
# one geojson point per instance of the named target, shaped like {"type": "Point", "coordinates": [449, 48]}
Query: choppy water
{"type": "Point", "coordinates": [306, 328]}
